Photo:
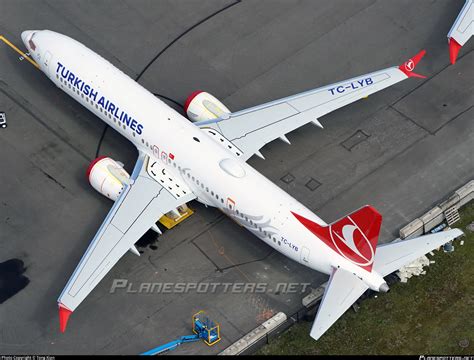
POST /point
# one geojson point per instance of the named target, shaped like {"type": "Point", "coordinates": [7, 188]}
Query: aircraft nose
{"type": "Point", "coordinates": [25, 36]}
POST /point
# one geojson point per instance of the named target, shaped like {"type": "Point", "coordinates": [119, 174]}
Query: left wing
{"type": "Point", "coordinates": [152, 192]}
{"type": "Point", "coordinates": [249, 130]}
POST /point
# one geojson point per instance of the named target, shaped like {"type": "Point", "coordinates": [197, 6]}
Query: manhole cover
{"type": "Point", "coordinates": [288, 178]}
{"type": "Point", "coordinates": [313, 184]}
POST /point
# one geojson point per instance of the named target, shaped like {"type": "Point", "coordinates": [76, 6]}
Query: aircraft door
{"type": "Point", "coordinates": [164, 157]}
{"type": "Point", "coordinates": [230, 204]}
{"type": "Point", "coordinates": [156, 151]}
{"type": "Point", "coordinates": [47, 61]}
{"type": "Point", "coordinates": [305, 255]}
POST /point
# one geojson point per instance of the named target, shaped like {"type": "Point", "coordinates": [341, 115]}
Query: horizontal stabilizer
{"type": "Point", "coordinates": [342, 290]}
{"type": "Point", "coordinates": [391, 257]}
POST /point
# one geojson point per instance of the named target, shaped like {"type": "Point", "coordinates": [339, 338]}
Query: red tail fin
{"type": "Point", "coordinates": [354, 237]}
{"type": "Point", "coordinates": [408, 66]}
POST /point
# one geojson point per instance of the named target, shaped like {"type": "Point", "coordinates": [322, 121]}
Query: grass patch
{"type": "Point", "coordinates": [431, 314]}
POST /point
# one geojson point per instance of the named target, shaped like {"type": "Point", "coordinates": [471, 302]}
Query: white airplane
{"type": "Point", "coordinates": [461, 31]}
{"type": "Point", "coordinates": [206, 160]}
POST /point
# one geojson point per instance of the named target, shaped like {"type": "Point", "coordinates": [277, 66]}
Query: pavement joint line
{"type": "Point", "coordinates": [297, 52]}
{"type": "Point", "coordinates": [402, 114]}
{"type": "Point", "coordinates": [453, 118]}
{"type": "Point", "coordinates": [349, 187]}
{"type": "Point", "coordinates": [248, 262]}
{"type": "Point", "coordinates": [185, 240]}
{"type": "Point", "coordinates": [427, 80]}
{"type": "Point", "coordinates": [207, 257]}
{"type": "Point", "coordinates": [26, 106]}
{"type": "Point", "coordinates": [11, 45]}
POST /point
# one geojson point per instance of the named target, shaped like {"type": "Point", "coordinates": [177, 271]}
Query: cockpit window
{"type": "Point", "coordinates": [31, 43]}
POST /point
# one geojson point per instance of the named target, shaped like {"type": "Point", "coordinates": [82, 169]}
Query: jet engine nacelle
{"type": "Point", "coordinates": [108, 177]}
{"type": "Point", "coordinates": [202, 106]}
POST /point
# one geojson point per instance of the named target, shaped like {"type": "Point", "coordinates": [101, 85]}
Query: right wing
{"type": "Point", "coordinates": [461, 30]}
{"type": "Point", "coordinates": [249, 130]}
{"type": "Point", "coordinates": [152, 192]}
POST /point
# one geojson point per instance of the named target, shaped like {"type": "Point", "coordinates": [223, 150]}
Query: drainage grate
{"type": "Point", "coordinates": [452, 215]}
{"type": "Point", "coordinates": [288, 178]}
{"type": "Point", "coordinates": [313, 184]}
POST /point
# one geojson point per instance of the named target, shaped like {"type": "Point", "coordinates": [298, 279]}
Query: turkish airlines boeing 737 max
{"type": "Point", "coordinates": [206, 160]}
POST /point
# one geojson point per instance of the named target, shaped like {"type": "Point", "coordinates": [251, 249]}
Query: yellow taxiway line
{"type": "Point", "coordinates": [6, 41]}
